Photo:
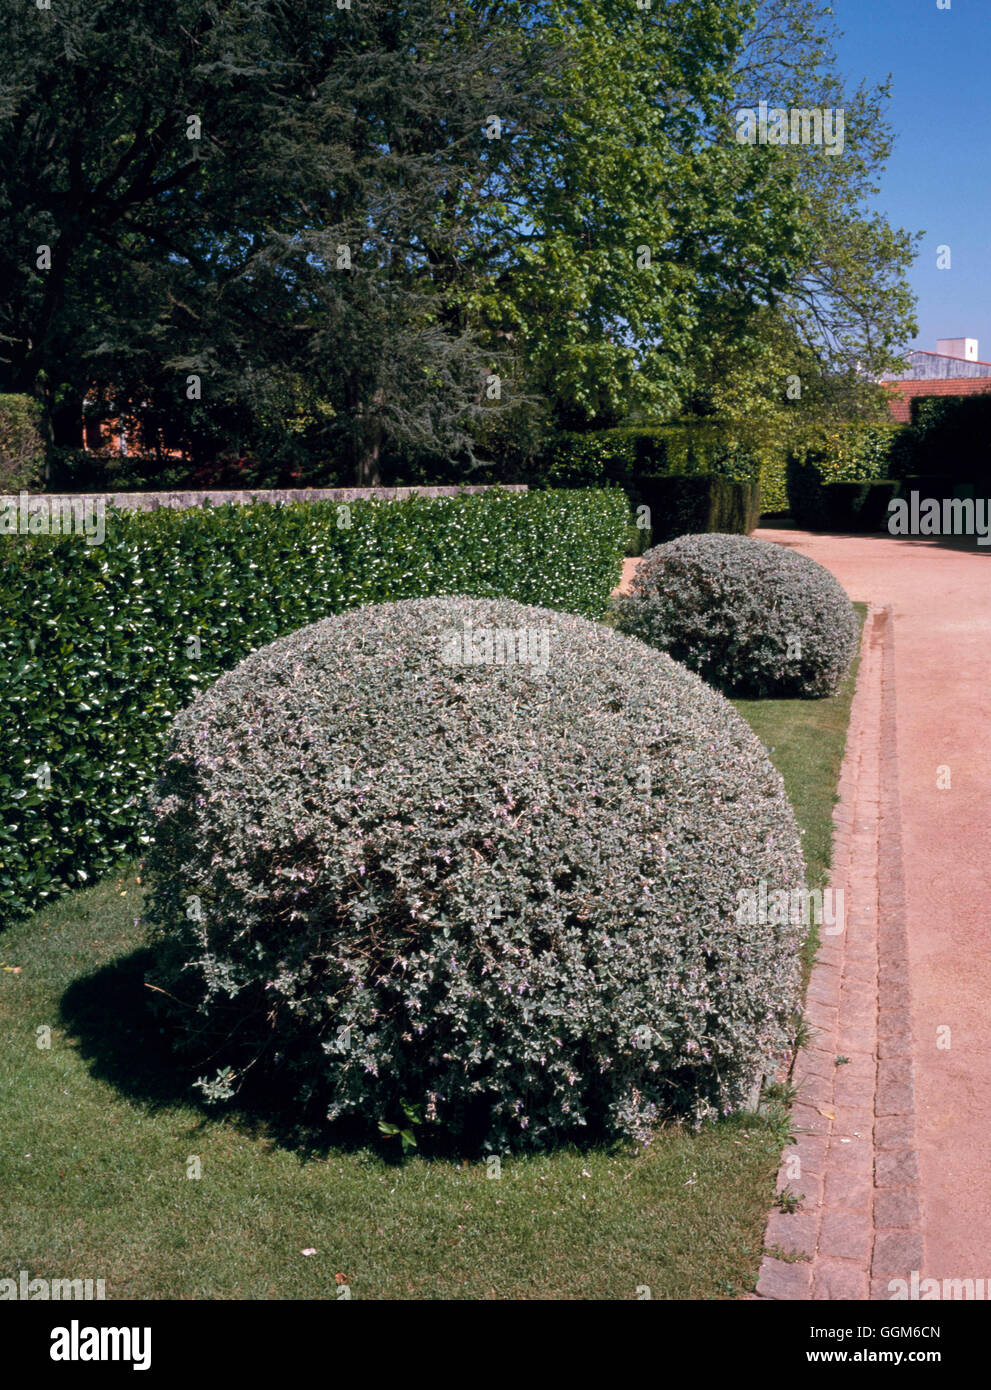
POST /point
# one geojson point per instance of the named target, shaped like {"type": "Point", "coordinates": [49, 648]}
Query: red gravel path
{"type": "Point", "coordinates": [937, 656]}
{"type": "Point", "coordinates": [940, 593]}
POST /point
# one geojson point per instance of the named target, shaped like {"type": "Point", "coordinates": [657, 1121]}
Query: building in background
{"type": "Point", "coordinates": [954, 369]}
{"type": "Point", "coordinates": [107, 431]}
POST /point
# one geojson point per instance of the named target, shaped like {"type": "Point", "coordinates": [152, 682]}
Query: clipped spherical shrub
{"type": "Point", "coordinates": [477, 858]}
{"type": "Point", "coordinates": [751, 617]}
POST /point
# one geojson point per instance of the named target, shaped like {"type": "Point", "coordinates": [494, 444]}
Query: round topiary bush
{"type": "Point", "coordinates": [751, 617]}
{"type": "Point", "coordinates": [480, 859]}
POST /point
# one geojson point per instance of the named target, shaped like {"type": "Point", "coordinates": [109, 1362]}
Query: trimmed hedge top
{"type": "Point", "coordinates": [502, 892]}
{"type": "Point", "coordinates": [750, 616]}
{"type": "Point", "coordinates": [101, 644]}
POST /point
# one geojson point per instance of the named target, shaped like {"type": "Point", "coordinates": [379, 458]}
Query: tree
{"type": "Point", "coordinates": [848, 308]}
{"type": "Point", "coordinates": [239, 194]}
{"type": "Point", "coordinates": [633, 211]}
{"type": "Point", "coordinates": [766, 262]}
{"type": "Point", "coordinates": [300, 228]}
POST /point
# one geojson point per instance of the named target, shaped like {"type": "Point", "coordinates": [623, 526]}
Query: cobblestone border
{"type": "Point", "coordinates": [854, 1158]}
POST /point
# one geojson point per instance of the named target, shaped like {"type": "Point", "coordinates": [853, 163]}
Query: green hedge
{"type": "Point", "coordinates": [858, 506]}
{"type": "Point", "coordinates": [95, 649]}
{"type": "Point", "coordinates": [846, 454]}
{"type": "Point", "coordinates": [952, 437]}
{"type": "Point", "coordinates": [688, 448]}
{"type": "Point", "coordinates": [681, 506]}
{"type": "Point", "coordinates": [22, 448]}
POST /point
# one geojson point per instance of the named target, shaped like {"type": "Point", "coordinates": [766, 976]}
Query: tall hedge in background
{"type": "Point", "coordinates": [688, 448]}
{"type": "Point", "coordinates": [680, 505]}
{"type": "Point", "coordinates": [22, 448]}
{"type": "Point", "coordinates": [952, 438]}
{"type": "Point", "coordinates": [845, 454]}
{"type": "Point", "coordinates": [100, 645]}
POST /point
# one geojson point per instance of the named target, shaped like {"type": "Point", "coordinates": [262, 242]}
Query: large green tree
{"type": "Point", "coordinates": [767, 263]}
{"type": "Point", "coordinates": [847, 308]}
{"type": "Point", "coordinates": [633, 212]}
{"type": "Point", "coordinates": [358, 226]}
{"type": "Point", "coordinates": [231, 204]}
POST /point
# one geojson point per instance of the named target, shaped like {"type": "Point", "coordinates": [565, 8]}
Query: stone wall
{"type": "Point", "coordinates": [151, 501]}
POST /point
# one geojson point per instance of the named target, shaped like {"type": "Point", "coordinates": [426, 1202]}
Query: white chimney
{"type": "Point", "coordinates": [958, 347]}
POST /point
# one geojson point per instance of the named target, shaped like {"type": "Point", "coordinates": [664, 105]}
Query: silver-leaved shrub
{"type": "Point", "coordinates": [479, 859]}
{"type": "Point", "coordinates": [751, 617]}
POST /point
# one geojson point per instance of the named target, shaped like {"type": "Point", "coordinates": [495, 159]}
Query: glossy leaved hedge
{"type": "Point", "coordinates": [101, 645]}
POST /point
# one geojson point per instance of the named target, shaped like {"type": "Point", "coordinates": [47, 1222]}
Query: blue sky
{"type": "Point", "coordinates": [938, 179]}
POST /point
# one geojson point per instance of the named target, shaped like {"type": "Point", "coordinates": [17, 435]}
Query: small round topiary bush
{"type": "Point", "coordinates": [751, 617]}
{"type": "Point", "coordinates": [478, 862]}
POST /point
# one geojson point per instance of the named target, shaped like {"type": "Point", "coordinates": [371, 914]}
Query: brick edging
{"type": "Point", "coordinates": [897, 1206]}
{"type": "Point", "coordinates": [853, 1159]}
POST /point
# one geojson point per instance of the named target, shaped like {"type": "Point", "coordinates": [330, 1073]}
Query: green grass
{"type": "Point", "coordinates": [805, 739]}
{"type": "Point", "coordinates": [98, 1135]}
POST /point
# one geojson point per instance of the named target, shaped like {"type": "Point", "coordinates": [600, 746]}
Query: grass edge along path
{"type": "Point", "coordinates": [99, 1153]}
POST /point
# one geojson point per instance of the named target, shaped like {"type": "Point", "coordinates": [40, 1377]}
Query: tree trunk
{"type": "Point", "coordinates": [67, 425]}
{"type": "Point", "coordinates": [368, 471]}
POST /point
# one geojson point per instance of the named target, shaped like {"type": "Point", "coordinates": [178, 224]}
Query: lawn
{"type": "Point", "coordinates": [99, 1141]}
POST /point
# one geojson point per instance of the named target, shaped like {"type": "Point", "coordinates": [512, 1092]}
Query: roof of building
{"type": "Point", "coordinates": [903, 392]}
{"type": "Point", "coordinates": [938, 366]}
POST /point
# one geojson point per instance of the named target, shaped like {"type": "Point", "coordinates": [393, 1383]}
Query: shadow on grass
{"type": "Point", "coordinates": [128, 1044]}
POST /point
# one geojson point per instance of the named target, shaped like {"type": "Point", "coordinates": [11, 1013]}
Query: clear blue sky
{"type": "Point", "coordinates": [938, 179]}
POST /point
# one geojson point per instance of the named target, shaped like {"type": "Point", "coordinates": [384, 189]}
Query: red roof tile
{"type": "Point", "coordinates": [904, 392]}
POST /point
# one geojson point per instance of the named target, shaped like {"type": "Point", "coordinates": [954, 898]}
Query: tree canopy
{"type": "Point", "coordinates": [324, 228]}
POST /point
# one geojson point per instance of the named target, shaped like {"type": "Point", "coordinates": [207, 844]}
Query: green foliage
{"type": "Point", "coordinates": [621, 454]}
{"type": "Point", "coordinates": [845, 454]}
{"type": "Point", "coordinates": [413, 1118]}
{"type": "Point", "coordinates": [773, 477]}
{"type": "Point", "coordinates": [706, 502]}
{"type": "Point", "coordinates": [751, 617]}
{"type": "Point", "coordinates": [688, 447]}
{"type": "Point", "coordinates": [594, 457]}
{"type": "Point", "coordinates": [215, 251]}
{"type": "Point", "coordinates": [615, 254]}
{"type": "Point", "coordinates": [853, 453]}
{"type": "Point", "coordinates": [504, 891]}
{"type": "Point", "coordinates": [952, 438]}
{"type": "Point", "coordinates": [81, 470]}
{"type": "Point", "coordinates": [858, 506]}
{"type": "Point", "coordinates": [849, 301]}
{"type": "Point", "coordinates": [22, 448]}
{"type": "Point", "coordinates": [632, 210]}
{"type": "Point", "coordinates": [98, 643]}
